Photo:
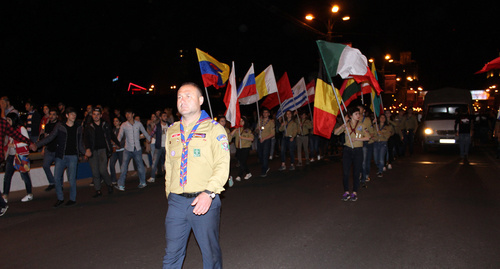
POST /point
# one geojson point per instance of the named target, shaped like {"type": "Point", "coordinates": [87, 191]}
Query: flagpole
{"type": "Point", "coordinates": [309, 104]}
{"type": "Point", "coordinates": [258, 119]}
{"type": "Point", "coordinates": [209, 106]}
{"type": "Point", "coordinates": [374, 113]}
{"type": "Point", "coordinates": [341, 113]}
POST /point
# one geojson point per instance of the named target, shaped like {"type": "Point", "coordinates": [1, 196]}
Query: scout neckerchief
{"type": "Point", "coordinates": [353, 130]}
{"type": "Point", "coordinates": [185, 142]}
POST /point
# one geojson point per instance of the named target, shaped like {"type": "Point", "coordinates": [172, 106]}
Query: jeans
{"type": "Point", "coordinates": [464, 143]}
{"type": "Point", "coordinates": [273, 144]}
{"type": "Point", "coordinates": [352, 158]}
{"type": "Point", "coordinates": [9, 172]}
{"type": "Point", "coordinates": [159, 158]}
{"type": "Point", "coordinates": [115, 157]}
{"type": "Point", "coordinates": [290, 145]}
{"type": "Point", "coordinates": [180, 220]}
{"type": "Point", "coordinates": [70, 162]}
{"type": "Point", "coordinates": [48, 158]}
{"type": "Point", "coordinates": [99, 165]}
{"type": "Point", "coordinates": [367, 161]}
{"type": "Point", "coordinates": [379, 154]}
{"type": "Point", "coordinates": [137, 156]}
{"type": "Point", "coordinates": [313, 145]}
{"type": "Point", "coordinates": [263, 149]}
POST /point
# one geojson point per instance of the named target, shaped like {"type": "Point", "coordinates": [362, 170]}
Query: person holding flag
{"type": "Point", "coordinates": [352, 156]}
{"type": "Point", "coordinates": [289, 128]}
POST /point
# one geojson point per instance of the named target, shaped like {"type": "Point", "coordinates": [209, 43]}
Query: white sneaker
{"type": "Point", "coordinates": [319, 157]}
{"type": "Point", "coordinates": [270, 157]}
{"type": "Point", "coordinates": [311, 160]}
{"type": "Point", "coordinates": [384, 169]}
{"type": "Point", "coordinates": [5, 198]}
{"type": "Point", "coordinates": [27, 198]}
{"type": "Point", "coordinates": [389, 166]}
{"type": "Point", "coordinates": [151, 180]}
{"type": "Point", "coordinates": [238, 178]}
{"type": "Point", "coordinates": [247, 176]}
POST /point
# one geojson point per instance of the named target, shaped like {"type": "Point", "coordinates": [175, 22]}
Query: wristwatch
{"type": "Point", "coordinates": [211, 194]}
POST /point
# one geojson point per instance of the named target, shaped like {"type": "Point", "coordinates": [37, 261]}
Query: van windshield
{"type": "Point", "coordinates": [445, 112]}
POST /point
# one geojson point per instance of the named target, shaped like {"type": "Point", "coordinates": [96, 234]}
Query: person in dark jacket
{"type": "Point", "coordinates": [97, 141]}
{"type": "Point", "coordinates": [159, 133]}
{"type": "Point", "coordinates": [69, 145]}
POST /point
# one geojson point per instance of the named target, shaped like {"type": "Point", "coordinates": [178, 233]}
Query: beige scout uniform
{"type": "Point", "coordinates": [384, 133]}
{"type": "Point", "coordinates": [266, 128]}
{"type": "Point", "coordinates": [291, 129]}
{"type": "Point", "coordinates": [358, 132]}
{"type": "Point", "coordinates": [409, 123]}
{"type": "Point", "coordinates": [242, 143]}
{"type": "Point", "coordinates": [367, 124]}
{"type": "Point", "coordinates": [208, 158]}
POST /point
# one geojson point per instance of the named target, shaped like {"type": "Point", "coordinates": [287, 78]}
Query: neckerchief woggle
{"type": "Point", "coordinates": [185, 143]}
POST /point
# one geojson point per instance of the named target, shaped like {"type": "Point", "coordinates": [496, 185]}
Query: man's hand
{"type": "Point", "coordinates": [201, 204]}
{"type": "Point", "coordinates": [33, 147]}
{"type": "Point", "coordinates": [88, 153]}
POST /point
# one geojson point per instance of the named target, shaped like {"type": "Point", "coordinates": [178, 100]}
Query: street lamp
{"type": "Point", "coordinates": [330, 22]}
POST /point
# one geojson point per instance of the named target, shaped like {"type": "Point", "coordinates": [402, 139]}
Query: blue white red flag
{"type": "Point", "coordinates": [231, 100]}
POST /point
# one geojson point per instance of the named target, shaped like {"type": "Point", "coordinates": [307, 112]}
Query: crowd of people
{"type": "Point", "coordinates": [106, 139]}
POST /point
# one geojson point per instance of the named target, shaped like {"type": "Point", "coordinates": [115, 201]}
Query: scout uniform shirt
{"type": "Point", "coordinates": [367, 124]}
{"type": "Point", "coordinates": [289, 129]}
{"type": "Point", "coordinates": [207, 161]}
{"type": "Point", "coordinates": [358, 132]}
{"type": "Point", "coordinates": [304, 127]}
{"type": "Point", "coordinates": [409, 123]}
{"type": "Point", "coordinates": [242, 143]}
{"type": "Point", "coordinates": [266, 128]}
{"type": "Point", "coordinates": [385, 131]}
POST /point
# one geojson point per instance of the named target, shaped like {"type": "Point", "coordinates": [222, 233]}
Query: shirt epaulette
{"type": "Point", "coordinates": [215, 122]}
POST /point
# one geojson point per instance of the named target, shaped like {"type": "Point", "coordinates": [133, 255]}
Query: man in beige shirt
{"type": "Point", "coordinates": [196, 169]}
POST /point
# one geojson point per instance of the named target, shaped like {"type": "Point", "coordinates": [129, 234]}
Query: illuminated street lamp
{"type": "Point", "coordinates": [331, 21]}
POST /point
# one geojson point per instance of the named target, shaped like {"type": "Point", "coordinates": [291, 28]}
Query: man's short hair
{"type": "Point", "coordinates": [70, 110]}
{"type": "Point", "coordinates": [128, 110]}
{"type": "Point", "coordinates": [193, 85]}
{"type": "Point", "coordinates": [53, 109]}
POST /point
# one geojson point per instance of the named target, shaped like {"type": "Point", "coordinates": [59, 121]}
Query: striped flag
{"type": "Point", "coordinates": [299, 98]}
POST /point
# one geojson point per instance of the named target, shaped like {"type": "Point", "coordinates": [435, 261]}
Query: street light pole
{"type": "Point", "coordinates": [330, 22]}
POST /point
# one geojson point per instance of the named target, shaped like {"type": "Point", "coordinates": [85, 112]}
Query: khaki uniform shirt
{"type": "Point", "coordinates": [266, 128]}
{"type": "Point", "coordinates": [384, 133]}
{"type": "Point", "coordinates": [208, 158]}
{"type": "Point", "coordinates": [290, 129]}
{"type": "Point", "coordinates": [305, 128]}
{"type": "Point", "coordinates": [356, 133]}
{"type": "Point", "coordinates": [397, 125]}
{"type": "Point", "coordinates": [409, 123]}
{"type": "Point", "coordinates": [367, 124]}
{"type": "Point", "coordinates": [242, 143]}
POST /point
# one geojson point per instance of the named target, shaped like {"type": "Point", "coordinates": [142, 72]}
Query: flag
{"type": "Point", "coordinates": [350, 91]}
{"type": "Point", "coordinates": [310, 90]}
{"type": "Point", "coordinates": [296, 101]}
{"type": "Point", "coordinates": [342, 60]}
{"type": "Point", "coordinates": [247, 86]}
{"type": "Point", "coordinates": [265, 83]}
{"type": "Point", "coordinates": [284, 92]}
{"type": "Point", "coordinates": [231, 100]}
{"type": "Point", "coordinates": [326, 107]}
{"type": "Point", "coordinates": [376, 101]}
{"type": "Point", "coordinates": [213, 72]}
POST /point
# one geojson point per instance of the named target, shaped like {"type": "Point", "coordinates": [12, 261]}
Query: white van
{"type": "Point", "coordinates": [440, 112]}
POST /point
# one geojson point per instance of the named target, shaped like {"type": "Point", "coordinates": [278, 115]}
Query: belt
{"type": "Point", "coordinates": [189, 195]}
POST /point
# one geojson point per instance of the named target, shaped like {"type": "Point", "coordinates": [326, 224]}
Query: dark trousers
{"type": "Point", "coordinates": [409, 137]}
{"type": "Point", "coordinates": [49, 157]}
{"type": "Point", "coordinates": [242, 156]}
{"type": "Point", "coordinates": [290, 145]}
{"type": "Point", "coordinates": [263, 150]}
{"type": "Point", "coordinates": [99, 165]}
{"type": "Point", "coordinates": [352, 158]}
{"type": "Point", "coordinates": [178, 224]}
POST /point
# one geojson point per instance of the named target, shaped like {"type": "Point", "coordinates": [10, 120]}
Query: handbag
{"type": "Point", "coordinates": [21, 163]}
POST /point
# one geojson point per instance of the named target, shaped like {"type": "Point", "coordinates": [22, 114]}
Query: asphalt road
{"type": "Point", "coordinates": [428, 212]}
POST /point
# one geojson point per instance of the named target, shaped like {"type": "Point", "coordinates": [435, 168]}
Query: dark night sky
{"type": "Point", "coordinates": [59, 50]}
